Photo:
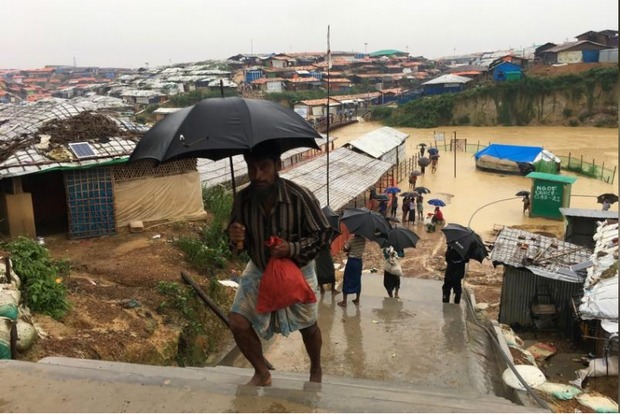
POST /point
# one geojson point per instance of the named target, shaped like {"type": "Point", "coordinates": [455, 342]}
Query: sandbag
{"type": "Point", "coordinates": [8, 304]}
{"type": "Point", "coordinates": [5, 338]}
{"type": "Point", "coordinates": [26, 335]}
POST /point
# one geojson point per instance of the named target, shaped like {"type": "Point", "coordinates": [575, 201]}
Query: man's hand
{"type": "Point", "coordinates": [236, 233]}
{"type": "Point", "coordinates": [280, 250]}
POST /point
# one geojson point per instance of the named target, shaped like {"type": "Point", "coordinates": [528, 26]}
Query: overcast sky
{"type": "Point", "coordinates": [131, 33]}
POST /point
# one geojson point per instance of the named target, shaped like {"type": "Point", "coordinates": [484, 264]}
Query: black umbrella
{"type": "Point", "coordinates": [217, 128]}
{"type": "Point", "coordinates": [415, 173]}
{"type": "Point", "coordinates": [366, 223]}
{"type": "Point", "coordinates": [422, 190]}
{"type": "Point", "coordinates": [465, 241]}
{"type": "Point", "coordinates": [423, 161]}
{"type": "Point", "coordinates": [610, 197]}
{"type": "Point", "coordinates": [332, 217]}
{"type": "Point", "coordinates": [380, 197]}
{"type": "Point", "coordinates": [400, 238]}
{"type": "Point", "coordinates": [522, 193]}
{"type": "Point", "coordinates": [409, 194]}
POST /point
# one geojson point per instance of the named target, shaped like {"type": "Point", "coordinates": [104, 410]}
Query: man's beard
{"type": "Point", "coordinates": [261, 194]}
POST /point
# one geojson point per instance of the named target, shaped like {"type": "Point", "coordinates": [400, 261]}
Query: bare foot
{"type": "Point", "coordinates": [316, 375]}
{"type": "Point", "coordinates": [259, 380]}
{"type": "Point", "coordinates": [356, 301]}
{"type": "Point", "coordinates": [342, 303]}
{"type": "Point", "coordinates": [335, 291]}
{"type": "Point", "coordinates": [396, 296]}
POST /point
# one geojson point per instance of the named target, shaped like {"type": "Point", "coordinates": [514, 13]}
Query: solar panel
{"type": "Point", "coordinates": [82, 149]}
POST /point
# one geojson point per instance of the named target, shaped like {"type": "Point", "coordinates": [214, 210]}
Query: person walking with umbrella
{"type": "Point", "coordinates": [273, 206]}
{"type": "Point", "coordinates": [455, 272]}
{"type": "Point", "coordinates": [394, 206]}
{"type": "Point", "coordinates": [325, 271]}
{"type": "Point", "coordinates": [352, 280]}
{"type": "Point", "coordinates": [527, 203]}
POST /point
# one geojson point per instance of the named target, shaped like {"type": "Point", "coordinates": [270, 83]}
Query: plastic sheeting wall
{"type": "Point", "coordinates": [170, 197]}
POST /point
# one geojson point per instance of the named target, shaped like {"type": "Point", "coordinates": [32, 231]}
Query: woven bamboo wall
{"type": "Point", "coordinates": [149, 168]}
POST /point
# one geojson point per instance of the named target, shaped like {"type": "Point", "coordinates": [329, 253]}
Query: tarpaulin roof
{"type": "Point", "coordinates": [516, 153]}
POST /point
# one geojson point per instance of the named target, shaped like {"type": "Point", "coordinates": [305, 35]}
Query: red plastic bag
{"type": "Point", "coordinates": [282, 284]}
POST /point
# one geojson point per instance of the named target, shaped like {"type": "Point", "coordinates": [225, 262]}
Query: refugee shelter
{"type": "Point", "coordinates": [582, 224]}
{"type": "Point", "coordinates": [516, 159]}
{"type": "Point", "coordinates": [538, 270]}
{"type": "Point", "coordinates": [386, 144]}
{"type": "Point", "coordinates": [445, 84]}
{"type": "Point", "coordinates": [64, 169]}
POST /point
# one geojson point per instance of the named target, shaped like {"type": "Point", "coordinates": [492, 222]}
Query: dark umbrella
{"type": "Point", "coordinates": [409, 194]}
{"type": "Point", "coordinates": [392, 190]}
{"type": "Point", "coordinates": [415, 173]}
{"type": "Point", "coordinates": [421, 145]}
{"type": "Point", "coordinates": [433, 151]}
{"type": "Point", "coordinates": [400, 238]}
{"type": "Point", "coordinates": [366, 223]}
{"type": "Point", "coordinates": [465, 241]}
{"type": "Point", "coordinates": [217, 128]}
{"type": "Point", "coordinates": [380, 197]}
{"type": "Point", "coordinates": [522, 193]}
{"type": "Point", "coordinates": [423, 161]}
{"type": "Point", "coordinates": [332, 217]}
{"type": "Point", "coordinates": [422, 190]}
{"type": "Point", "coordinates": [610, 197]}
{"type": "Point", "coordinates": [436, 202]}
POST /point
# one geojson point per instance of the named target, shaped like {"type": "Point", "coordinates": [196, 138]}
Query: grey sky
{"type": "Point", "coordinates": [129, 33]}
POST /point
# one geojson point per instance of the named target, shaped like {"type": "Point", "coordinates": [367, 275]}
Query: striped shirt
{"type": "Point", "coordinates": [295, 217]}
{"type": "Point", "coordinates": [356, 247]}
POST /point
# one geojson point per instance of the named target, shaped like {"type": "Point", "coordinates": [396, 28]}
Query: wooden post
{"type": "Point", "coordinates": [581, 163]}
{"type": "Point", "coordinates": [602, 169]}
{"type": "Point", "coordinates": [613, 175]}
{"type": "Point", "coordinates": [568, 166]}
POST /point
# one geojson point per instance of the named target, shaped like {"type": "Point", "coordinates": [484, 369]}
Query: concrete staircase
{"type": "Point", "coordinates": [58, 384]}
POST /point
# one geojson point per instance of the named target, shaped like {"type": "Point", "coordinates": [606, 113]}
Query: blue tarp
{"type": "Point", "coordinates": [516, 153]}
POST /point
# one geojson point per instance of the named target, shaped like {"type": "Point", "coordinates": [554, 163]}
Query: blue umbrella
{"type": "Point", "coordinates": [392, 190]}
{"type": "Point", "coordinates": [433, 151]}
{"type": "Point", "coordinates": [436, 202]}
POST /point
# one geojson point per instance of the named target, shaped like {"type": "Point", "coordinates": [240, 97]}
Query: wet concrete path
{"type": "Point", "coordinates": [416, 339]}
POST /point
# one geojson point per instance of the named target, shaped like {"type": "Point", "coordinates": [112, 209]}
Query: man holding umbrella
{"type": "Point", "coordinates": [455, 272]}
{"type": "Point", "coordinates": [273, 206]}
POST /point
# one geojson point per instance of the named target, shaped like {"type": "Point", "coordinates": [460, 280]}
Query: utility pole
{"type": "Point", "coordinates": [365, 48]}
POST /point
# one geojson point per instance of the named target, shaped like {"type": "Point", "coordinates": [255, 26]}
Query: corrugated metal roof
{"type": "Point", "coordinates": [584, 212]}
{"type": "Point", "coordinates": [350, 175]}
{"type": "Point", "coordinates": [26, 123]}
{"type": "Point", "coordinates": [380, 141]}
{"type": "Point", "coordinates": [218, 172]}
{"type": "Point", "coordinates": [543, 256]}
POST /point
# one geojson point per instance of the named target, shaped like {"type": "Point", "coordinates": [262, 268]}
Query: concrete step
{"type": "Point", "coordinates": [75, 385]}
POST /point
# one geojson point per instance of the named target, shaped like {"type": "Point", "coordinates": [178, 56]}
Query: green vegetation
{"type": "Point", "coordinates": [517, 102]}
{"type": "Point", "coordinates": [422, 113]}
{"type": "Point", "coordinates": [202, 330]}
{"type": "Point", "coordinates": [211, 250]}
{"type": "Point", "coordinates": [186, 99]}
{"type": "Point", "coordinates": [42, 277]}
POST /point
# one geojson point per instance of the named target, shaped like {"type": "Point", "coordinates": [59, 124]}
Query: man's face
{"type": "Point", "coordinates": [263, 173]}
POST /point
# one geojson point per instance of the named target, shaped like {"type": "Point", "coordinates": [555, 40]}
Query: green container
{"type": "Point", "coordinates": [549, 193]}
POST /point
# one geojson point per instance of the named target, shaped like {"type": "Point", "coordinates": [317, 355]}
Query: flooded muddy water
{"type": "Point", "coordinates": [485, 199]}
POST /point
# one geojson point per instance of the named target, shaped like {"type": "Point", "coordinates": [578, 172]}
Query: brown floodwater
{"type": "Point", "coordinates": [473, 196]}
